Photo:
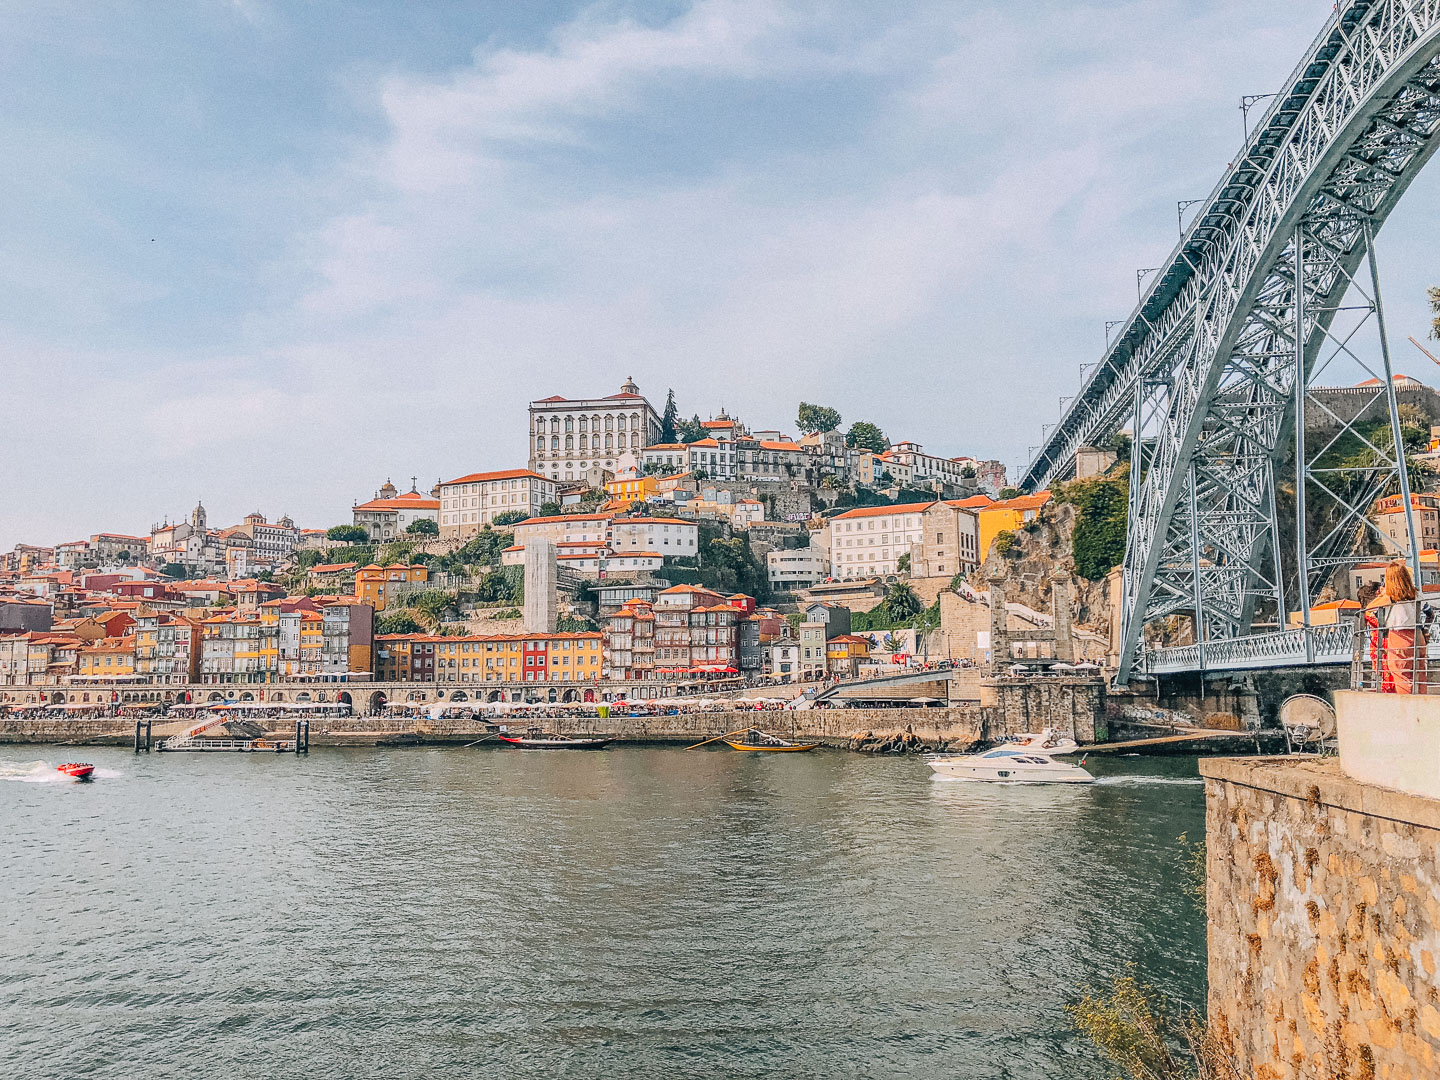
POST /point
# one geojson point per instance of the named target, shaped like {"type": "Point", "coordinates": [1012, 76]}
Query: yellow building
{"type": "Point", "coordinates": [1007, 516]}
{"type": "Point", "coordinates": [519, 658]}
{"type": "Point", "coordinates": [108, 658]}
{"type": "Point", "coordinates": [373, 583]}
{"type": "Point", "coordinates": [632, 491]}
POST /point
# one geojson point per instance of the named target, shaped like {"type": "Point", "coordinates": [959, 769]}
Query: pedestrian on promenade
{"type": "Point", "coordinates": [1396, 610]}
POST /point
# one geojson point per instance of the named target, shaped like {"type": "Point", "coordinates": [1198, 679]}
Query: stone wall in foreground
{"type": "Point", "coordinates": [1324, 908]}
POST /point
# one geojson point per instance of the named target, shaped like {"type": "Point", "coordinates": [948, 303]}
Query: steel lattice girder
{"type": "Point", "coordinates": [1358, 123]}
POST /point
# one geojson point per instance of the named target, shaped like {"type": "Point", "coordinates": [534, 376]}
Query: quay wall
{"type": "Point", "coordinates": [953, 727]}
{"type": "Point", "coordinates": [1323, 896]}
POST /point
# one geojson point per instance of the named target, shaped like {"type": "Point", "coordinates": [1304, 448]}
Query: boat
{"type": "Point", "coordinates": [1009, 765]}
{"type": "Point", "coordinates": [1048, 742]}
{"type": "Point", "coordinates": [80, 770]}
{"type": "Point", "coordinates": [546, 740]}
{"type": "Point", "coordinates": [756, 740]}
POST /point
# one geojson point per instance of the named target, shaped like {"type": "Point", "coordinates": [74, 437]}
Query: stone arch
{"type": "Point", "coordinates": [302, 696]}
{"type": "Point", "coordinates": [589, 695]}
{"type": "Point", "coordinates": [57, 698]}
{"type": "Point", "coordinates": [378, 701]}
{"type": "Point", "coordinates": [570, 696]}
{"type": "Point", "coordinates": [343, 698]}
{"type": "Point", "coordinates": [277, 695]}
{"type": "Point", "coordinates": [494, 695]}
{"type": "Point", "coordinates": [459, 695]}
{"type": "Point", "coordinates": [215, 695]}
{"type": "Point", "coordinates": [246, 695]}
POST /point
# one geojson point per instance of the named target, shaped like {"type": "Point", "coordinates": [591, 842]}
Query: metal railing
{"type": "Point", "coordinates": [1393, 662]}
{"type": "Point", "coordinates": [1298, 647]}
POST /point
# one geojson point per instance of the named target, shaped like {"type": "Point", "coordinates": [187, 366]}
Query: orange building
{"type": "Point", "coordinates": [375, 584]}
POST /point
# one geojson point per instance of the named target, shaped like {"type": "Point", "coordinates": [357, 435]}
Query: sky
{"type": "Point", "coordinates": [269, 254]}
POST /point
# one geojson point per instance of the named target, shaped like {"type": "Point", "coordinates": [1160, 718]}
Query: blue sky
{"type": "Point", "coordinates": [268, 254]}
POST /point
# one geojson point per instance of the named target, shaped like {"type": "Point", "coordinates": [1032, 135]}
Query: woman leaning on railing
{"type": "Point", "coordinates": [1398, 640]}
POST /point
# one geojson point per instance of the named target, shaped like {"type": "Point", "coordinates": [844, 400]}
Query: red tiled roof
{"type": "Point", "coordinates": [503, 474]}
{"type": "Point", "coordinates": [882, 511]}
{"type": "Point", "coordinates": [411, 500]}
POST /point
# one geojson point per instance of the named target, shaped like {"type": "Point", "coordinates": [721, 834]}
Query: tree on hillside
{"type": "Point", "coordinates": [397, 622]}
{"type": "Point", "coordinates": [691, 430]}
{"type": "Point", "coordinates": [816, 419]}
{"type": "Point", "coordinates": [1434, 293]}
{"type": "Point", "coordinates": [670, 420]}
{"type": "Point", "coordinates": [175, 570]}
{"type": "Point", "coordinates": [863, 435]}
{"type": "Point", "coordinates": [549, 509]}
{"type": "Point", "coordinates": [348, 534]}
{"type": "Point", "coordinates": [422, 527]}
{"type": "Point", "coordinates": [1010, 493]}
{"type": "Point", "coordinates": [510, 517]}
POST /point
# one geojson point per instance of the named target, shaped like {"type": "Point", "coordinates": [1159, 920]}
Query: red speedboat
{"type": "Point", "coordinates": [78, 769]}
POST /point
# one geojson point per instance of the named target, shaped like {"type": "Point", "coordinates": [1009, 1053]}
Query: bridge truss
{"type": "Point", "coordinates": [1213, 371]}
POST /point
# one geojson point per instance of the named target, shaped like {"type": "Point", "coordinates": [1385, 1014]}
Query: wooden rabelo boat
{"type": "Point", "coordinates": [754, 739]}
{"type": "Point", "coordinates": [536, 739]}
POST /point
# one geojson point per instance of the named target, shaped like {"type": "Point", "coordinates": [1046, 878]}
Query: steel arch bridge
{"type": "Point", "coordinates": [1211, 372]}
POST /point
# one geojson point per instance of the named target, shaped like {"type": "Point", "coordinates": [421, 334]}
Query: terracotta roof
{"type": "Point", "coordinates": [882, 511]}
{"type": "Point", "coordinates": [714, 424]}
{"type": "Point", "coordinates": [704, 442]}
{"type": "Point", "coordinates": [781, 446]}
{"type": "Point", "coordinates": [503, 474]}
{"type": "Point", "coordinates": [332, 568]}
{"type": "Point", "coordinates": [1022, 502]}
{"type": "Point", "coordinates": [411, 500]}
{"type": "Point", "coordinates": [974, 502]}
{"type": "Point", "coordinates": [552, 397]}
{"type": "Point", "coordinates": [667, 446]}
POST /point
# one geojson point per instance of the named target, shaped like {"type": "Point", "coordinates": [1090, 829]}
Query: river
{"type": "Point", "coordinates": [635, 912]}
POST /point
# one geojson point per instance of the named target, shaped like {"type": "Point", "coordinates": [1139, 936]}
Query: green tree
{"type": "Point", "coordinates": [1009, 493]}
{"type": "Point", "coordinates": [175, 570]}
{"type": "Point", "coordinates": [348, 534]}
{"type": "Point", "coordinates": [691, 430]}
{"type": "Point", "coordinates": [428, 605]}
{"type": "Point", "coordinates": [397, 622]}
{"type": "Point", "coordinates": [122, 556]}
{"type": "Point", "coordinates": [422, 527]}
{"type": "Point", "coordinates": [903, 563]}
{"type": "Point", "coordinates": [816, 419]}
{"type": "Point", "coordinates": [550, 509]}
{"type": "Point", "coordinates": [510, 517]}
{"type": "Point", "coordinates": [902, 603]}
{"type": "Point", "coordinates": [670, 420]}
{"type": "Point", "coordinates": [1434, 294]}
{"type": "Point", "coordinates": [863, 435]}
{"type": "Point", "coordinates": [1102, 510]}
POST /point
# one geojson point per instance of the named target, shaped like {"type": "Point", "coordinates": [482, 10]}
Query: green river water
{"type": "Point", "coordinates": [632, 912]}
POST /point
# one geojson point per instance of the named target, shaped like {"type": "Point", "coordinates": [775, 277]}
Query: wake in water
{"type": "Point", "coordinates": [1148, 781]}
{"type": "Point", "coordinates": [42, 772]}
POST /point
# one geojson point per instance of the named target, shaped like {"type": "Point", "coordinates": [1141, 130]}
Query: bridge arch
{"type": "Point", "coordinates": [1211, 370]}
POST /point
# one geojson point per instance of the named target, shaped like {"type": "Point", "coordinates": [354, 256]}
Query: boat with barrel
{"type": "Point", "coordinates": [80, 770]}
{"type": "Point", "coordinates": [535, 739]}
{"type": "Point", "coordinates": [755, 740]}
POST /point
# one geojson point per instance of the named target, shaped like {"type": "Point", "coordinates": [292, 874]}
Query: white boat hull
{"type": "Point", "coordinates": [1053, 772]}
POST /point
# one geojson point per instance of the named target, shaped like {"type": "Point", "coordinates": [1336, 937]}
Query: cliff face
{"type": "Point", "coordinates": [1043, 554]}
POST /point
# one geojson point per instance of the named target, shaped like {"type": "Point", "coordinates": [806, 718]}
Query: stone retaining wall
{"type": "Point", "coordinates": [1324, 908]}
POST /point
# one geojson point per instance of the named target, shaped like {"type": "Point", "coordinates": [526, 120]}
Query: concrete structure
{"type": "Point", "coordinates": [541, 584]}
{"type": "Point", "coordinates": [796, 568]}
{"type": "Point", "coordinates": [571, 439]}
{"type": "Point", "coordinates": [470, 503]}
{"type": "Point", "coordinates": [1324, 924]}
{"type": "Point", "coordinates": [949, 541]}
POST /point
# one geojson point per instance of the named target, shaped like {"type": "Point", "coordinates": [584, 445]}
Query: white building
{"type": "Point", "coordinates": [870, 541]}
{"type": "Point", "coordinates": [667, 536]}
{"type": "Point", "coordinates": [668, 458]}
{"type": "Point", "coordinates": [572, 438]}
{"type": "Point", "coordinates": [796, 569]}
{"type": "Point", "coordinates": [565, 529]}
{"type": "Point", "coordinates": [469, 503]}
{"type": "Point", "coordinates": [386, 518]}
{"type": "Point", "coordinates": [272, 540]}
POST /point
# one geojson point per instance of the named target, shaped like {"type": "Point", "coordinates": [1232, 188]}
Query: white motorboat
{"type": "Point", "coordinates": [1009, 765]}
{"type": "Point", "coordinates": [1049, 742]}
